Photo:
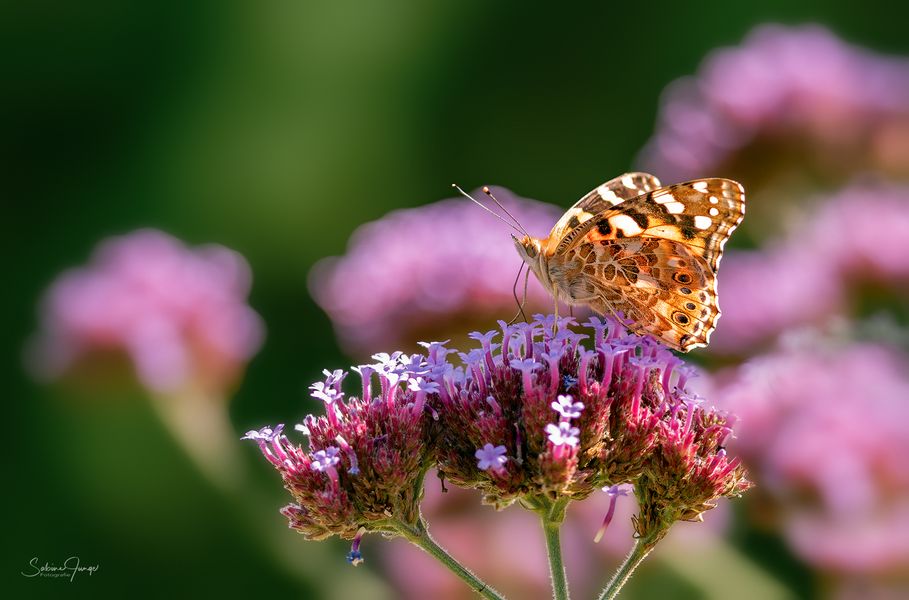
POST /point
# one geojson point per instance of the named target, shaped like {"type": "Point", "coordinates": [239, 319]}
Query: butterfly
{"type": "Point", "coordinates": [646, 254]}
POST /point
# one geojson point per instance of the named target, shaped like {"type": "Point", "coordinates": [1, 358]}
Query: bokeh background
{"type": "Point", "coordinates": [277, 129]}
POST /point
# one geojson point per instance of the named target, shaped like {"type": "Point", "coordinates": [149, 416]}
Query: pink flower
{"type": "Point", "coordinates": [365, 458]}
{"type": "Point", "coordinates": [783, 81]}
{"type": "Point", "coordinates": [625, 416]}
{"type": "Point", "coordinates": [179, 314]}
{"type": "Point", "coordinates": [420, 272]}
{"type": "Point", "coordinates": [826, 432]}
{"type": "Point", "coordinates": [790, 111]}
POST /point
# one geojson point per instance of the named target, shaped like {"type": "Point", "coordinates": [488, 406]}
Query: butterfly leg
{"type": "Point", "coordinates": [555, 312]}
{"type": "Point", "coordinates": [523, 301]}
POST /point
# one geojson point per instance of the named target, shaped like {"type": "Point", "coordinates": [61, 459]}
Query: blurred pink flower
{"type": "Point", "coordinates": [802, 80]}
{"type": "Point", "coordinates": [179, 314]}
{"type": "Point", "coordinates": [860, 235]}
{"type": "Point", "coordinates": [864, 232]}
{"type": "Point", "coordinates": [415, 273]}
{"type": "Point", "coordinates": [826, 433]}
{"type": "Point", "coordinates": [789, 112]}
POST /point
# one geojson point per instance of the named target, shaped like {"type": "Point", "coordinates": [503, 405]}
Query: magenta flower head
{"type": "Point", "coordinates": [179, 314]}
{"type": "Point", "coordinates": [788, 109]}
{"type": "Point", "coordinates": [531, 415]}
{"type": "Point", "coordinates": [687, 472]}
{"type": "Point", "coordinates": [363, 465]}
{"type": "Point", "coordinates": [534, 415]}
{"type": "Point", "coordinates": [383, 293]}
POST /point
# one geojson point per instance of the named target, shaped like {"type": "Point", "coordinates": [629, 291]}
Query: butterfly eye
{"type": "Point", "coordinates": [531, 250]}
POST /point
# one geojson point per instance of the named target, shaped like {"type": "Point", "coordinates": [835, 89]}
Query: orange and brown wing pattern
{"type": "Point", "coordinates": [610, 194]}
{"type": "Point", "coordinates": [653, 259]}
{"type": "Point", "coordinates": [656, 285]}
{"type": "Point", "coordinates": [701, 214]}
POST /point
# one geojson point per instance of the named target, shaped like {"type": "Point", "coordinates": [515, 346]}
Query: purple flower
{"type": "Point", "coordinates": [491, 457]}
{"type": "Point", "coordinates": [178, 313]}
{"type": "Point", "coordinates": [265, 434]}
{"type": "Point", "coordinates": [610, 422]}
{"type": "Point", "coordinates": [325, 459]}
{"type": "Point", "coordinates": [563, 434]}
{"type": "Point", "coordinates": [325, 393]}
{"type": "Point", "coordinates": [366, 457]}
{"type": "Point", "coordinates": [446, 281]}
{"type": "Point", "coordinates": [567, 407]}
{"type": "Point", "coordinates": [614, 491]}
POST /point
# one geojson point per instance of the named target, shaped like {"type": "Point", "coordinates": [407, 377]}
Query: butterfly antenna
{"type": "Point", "coordinates": [488, 192]}
{"type": "Point", "coordinates": [487, 209]}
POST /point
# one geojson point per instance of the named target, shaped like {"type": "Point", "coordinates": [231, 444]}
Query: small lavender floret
{"type": "Point", "coordinates": [563, 434]}
{"type": "Point", "coordinates": [567, 407]}
{"type": "Point", "coordinates": [491, 457]}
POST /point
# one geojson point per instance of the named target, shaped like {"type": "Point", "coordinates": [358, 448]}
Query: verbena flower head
{"type": "Point", "coordinates": [562, 419]}
{"type": "Point", "coordinates": [390, 290]}
{"type": "Point", "coordinates": [364, 460]}
{"type": "Point", "coordinates": [688, 471]}
{"type": "Point", "coordinates": [789, 109]}
{"type": "Point", "coordinates": [532, 415]}
{"type": "Point", "coordinates": [178, 313]}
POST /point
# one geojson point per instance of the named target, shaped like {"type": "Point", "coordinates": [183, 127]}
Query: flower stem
{"type": "Point", "coordinates": [638, 553]}
{"type": "Point", "coordinates": [556, 566]}
{"type": "Point", "coordinates": [419, 536]}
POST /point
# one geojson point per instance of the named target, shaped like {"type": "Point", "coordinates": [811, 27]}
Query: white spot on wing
{"type": "Point", "coordinates": [626, 224]}
{"type": "Point", "coordinates": [713, 211]}
{"type": "Point", "coordinates": [700, 186]}
{"type": "Point", "coordinates": [628, 182]}
{"type": "Point", "coordinates": [608, 195]}
{"type": "Point", "coordinates": [714, 200]}
{"type": "Point", "coordinates": [675, 208]}
{"type": "Point", "coordinates": [702, 222]}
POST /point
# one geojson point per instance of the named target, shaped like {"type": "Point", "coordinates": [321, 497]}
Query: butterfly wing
{"type": "Point", "coordinates": [613, 192]}
{"type": "Point", "coordinates": [654, 259]}
{"type": "Point", "coordinates": [657, 286]}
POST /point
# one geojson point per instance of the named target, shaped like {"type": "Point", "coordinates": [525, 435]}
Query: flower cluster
{"type": "Point", "coordinates": [366, 456]}
{"type": "Point", "coordinates": [434, 290]}
{"type": "Point", "coordinates": [179, 314]}
{"type": "Point", "coordinates": [538, 415]}
{"type": "Point", "coordinates": [687, 472]}
{"type": "Point", "coordinates": [531, 415]}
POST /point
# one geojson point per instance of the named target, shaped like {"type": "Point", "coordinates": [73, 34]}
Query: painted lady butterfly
{"type": "Point", "coordinates": [643, 253]}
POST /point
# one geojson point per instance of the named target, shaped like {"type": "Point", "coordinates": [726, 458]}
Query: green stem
{"type": "Point", "coordinates": [419, 536]}
{"type": "Point", "coordinates": [638, 553]}
{"type": "Point", "coordinates": [556, 566]}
